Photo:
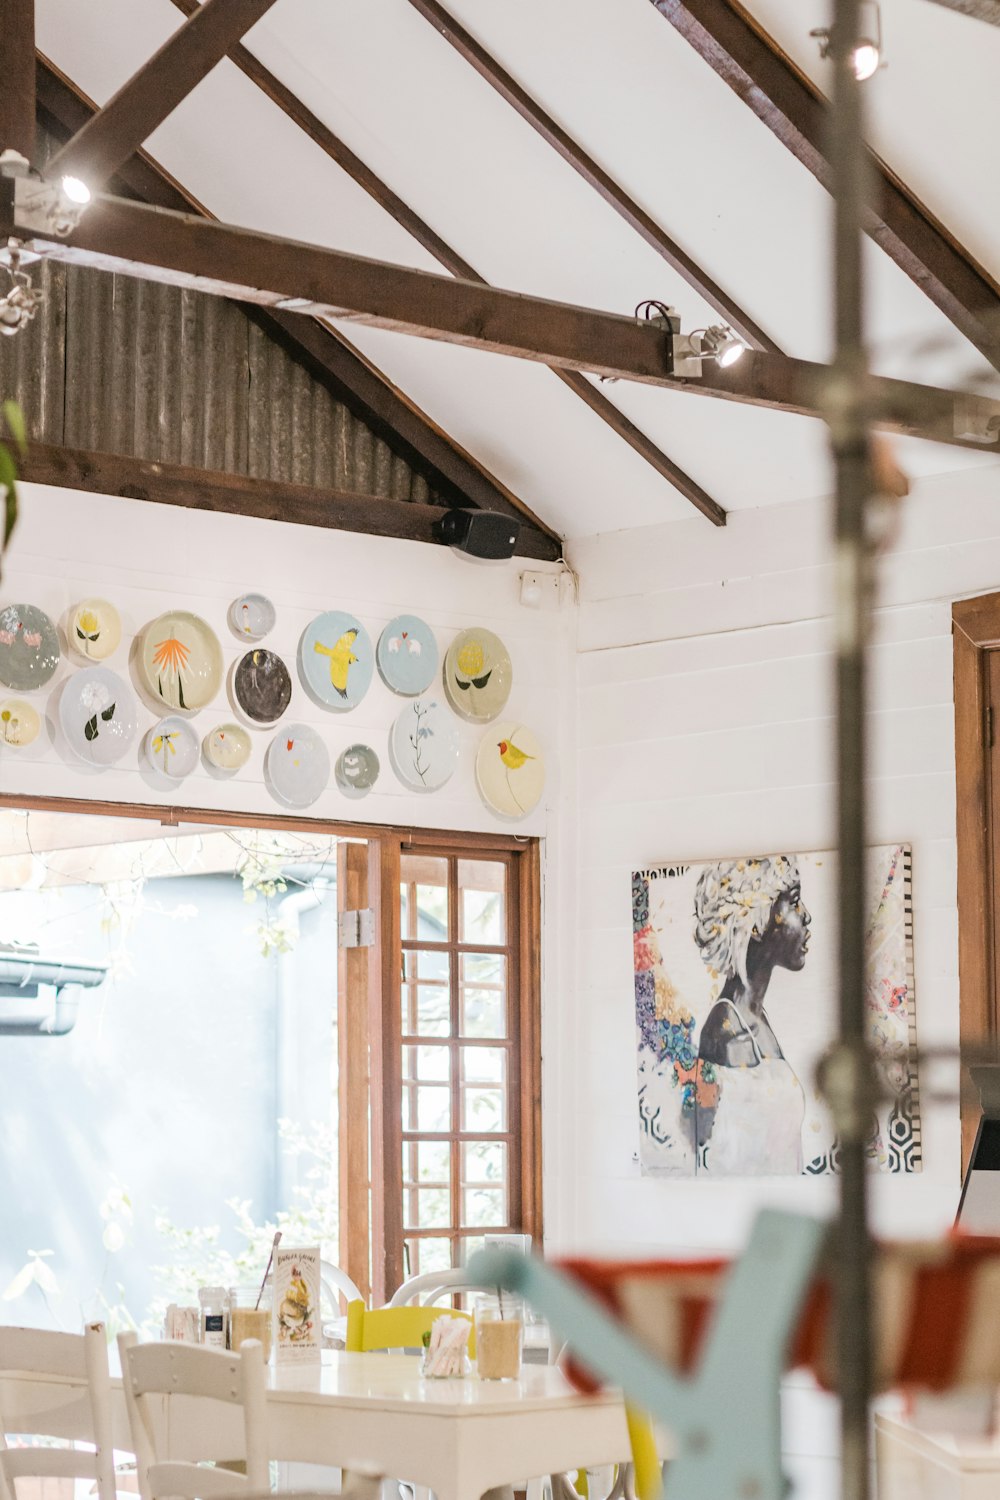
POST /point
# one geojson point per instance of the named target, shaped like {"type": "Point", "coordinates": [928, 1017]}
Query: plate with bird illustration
{"type": "Point", "coordinates": [98, 715]}
{"type": "Point", "coordinates": [336, 660]}
{"type": "Point", "coordinates": [29, 647]}
{"type": "Point", "coordinates": [356, 771]}
{"type": "Point", "coordinates": [477, 675]}
{"type": "Point", "coordinates": [510, 770]}
{"type": "Point", "coordinates": [95, 629]}
{"type": "Point", "coordinates": [227, 747]}
{"type": "Point", "coordinates": [407, 656]}
{"type": "Point", "coordinates": [297, 766]}
{"type": "Point", "coordinates": [423, 745]}
{"type": "Point", "coordinates": [172, 747]}
{"type": "Point", "coordinates": [181, 660]}
{"type": "Point", "coordinates": [262, 686]}
{"type": "Point", "coordinates": [19, 723]}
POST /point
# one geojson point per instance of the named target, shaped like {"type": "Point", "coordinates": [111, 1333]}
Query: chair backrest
{"type": "Point", "coordinates": [334, 1284]}
{"type": "Point", "coordinates": [151, 1372]}
{"type": "Point", "coordinates": [82, 1357]}
{"type": "Point", "coordinates": [394, 1327]}
{"type": "Point", "coordinates": [426, 1288]}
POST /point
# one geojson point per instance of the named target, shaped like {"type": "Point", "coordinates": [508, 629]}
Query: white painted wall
{"type": "Point", "coordinates": [705, 729]}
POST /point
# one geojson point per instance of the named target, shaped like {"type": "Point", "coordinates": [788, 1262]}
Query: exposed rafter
{"type": "Point", "coordinates": [150, 95]}
{"type": "Point", "coordinates": [352, 379]}
{"type": "Point", "coordinates": [980, 10]}
{"type": "Point", "coordinates": [134, 239]}
{"type": "Point", "coordinates": [447, 256]}
{"type": "Point", "coordinates": [611, 191]}
{"type": "Point", "coordinates": [790, 105]}
{"type": "Point", "coordinates": [17, 89]}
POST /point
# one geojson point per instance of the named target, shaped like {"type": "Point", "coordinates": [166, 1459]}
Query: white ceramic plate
{"type": "Point", "coordinates": [227, 747]}
{"type": "Point", "coordinates": [172, 747]}
{"type": "Point", "coordinates": [95, 629]}
{"type": "Point", "coordinates": [251, 617]}
{"type": "Point", "coordinates": [477, 675]}
{"type": "Point", "coordinates": [423, 745]}
{"type": "Point", "coordinates": [336, 660]}
{"type": "Point", "coordinates": [510, 770]}
{"type": "Point", "coordinates": [297, 765]}
{"type": "Point", "coordinates": [407, 656]}
{"type": "Point", "coordinates": [29, 647]}
{"type": "Point", "coordinates": [19, 723]}
{"type": "Point", "coordinates": [356, 771]}
{"type": "Point", "coordinates": [98, 715]}
{"type": "Point", "coordinates": [181, 660]}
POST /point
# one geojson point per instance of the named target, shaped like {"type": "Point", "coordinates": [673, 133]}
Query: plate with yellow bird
{"type": "Point", "coordinates": [477, 675]}
{"type": "Point", "coordinates": [172, 747]}
{"type": "Point", "coordinates": [297, 766]}
{"type": "Point", "coordinates": [510, 770]}
{"type": "Point", "coordinates": [19, 723]}
{"type": "Point", "coordinates": [181, 660]}
{"type": "Point", "coordinates": [97, 715]}
{"type": "Point", "coordinates": [262, 686]}
{"type": "Point", "coordinates": [95, 629]}
{"type": "Point", "coordinates": [336, 660]}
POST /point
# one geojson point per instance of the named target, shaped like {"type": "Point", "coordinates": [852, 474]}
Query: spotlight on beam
{"type": "Point", "coordinates": [688, 351]}
{"type": "Point", "coordinates": [75, 190]}
{"type": "Point", "coordinates": [866, 53]}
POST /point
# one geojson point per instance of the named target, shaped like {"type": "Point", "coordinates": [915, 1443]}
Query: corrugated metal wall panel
{"type": "Point", "coordinates": [134, 367]}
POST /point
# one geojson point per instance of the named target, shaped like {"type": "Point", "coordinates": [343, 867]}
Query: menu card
{"type": "Point", "coordinates": [295, 1305]}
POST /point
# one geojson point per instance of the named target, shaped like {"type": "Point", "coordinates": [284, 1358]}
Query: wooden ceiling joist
{"type": "Point", "coordinates": [728, 38]}
{"type": "Point", "coordinates": [365, 391]}
{"type": "Point", "coordinates": [150, 95]}
{"type": "Point", "coordinates": [979, 10]}
{"type": "Point", "coordinates": [338, 151]}
{"type": "Point", "coordinates": [603, 183]}
{"type": "Point", "coordinates": [225, 260]}
{"type": "Point", "coordinates": [17, 91]}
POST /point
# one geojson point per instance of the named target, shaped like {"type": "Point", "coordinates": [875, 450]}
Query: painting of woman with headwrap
{"type": "Point", "coordinates": [735, 1003]}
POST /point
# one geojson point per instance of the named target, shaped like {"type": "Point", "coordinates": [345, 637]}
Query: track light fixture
{"type": "Point", "coordinates": [866, 53]}
{"type": "Point", "coordinates": [48, 207]}
{"type": "Point", "coordinates": [689, 350]}
{"type": "Point", "coordinates": [21, 301]}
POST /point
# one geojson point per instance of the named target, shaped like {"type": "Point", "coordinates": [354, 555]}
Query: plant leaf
{"type": "Point", "coordinates": [20, 1283]}
{"type": "Point", "coordinates": [108, 713]}
{"type": "Point", "coordinates": [90, 728]}
{"type": "Point", "coordinates": [14, 418]}
{"type": "Point", "coordinates": [8, 480]}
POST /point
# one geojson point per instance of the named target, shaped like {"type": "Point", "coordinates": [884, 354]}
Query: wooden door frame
{"type": "Point", "coordinates": [975, 631]}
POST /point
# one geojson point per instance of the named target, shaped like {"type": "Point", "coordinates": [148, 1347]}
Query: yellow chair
{"type": "Point", "coordinates": [395, 1327]}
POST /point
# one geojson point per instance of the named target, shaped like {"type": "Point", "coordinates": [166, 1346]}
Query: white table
{"type": "Point", "coordinates": [458, 1438]}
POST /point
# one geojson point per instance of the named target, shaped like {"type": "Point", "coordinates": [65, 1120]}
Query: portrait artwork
{"type": "Point", "coordinates": [736, 1002]}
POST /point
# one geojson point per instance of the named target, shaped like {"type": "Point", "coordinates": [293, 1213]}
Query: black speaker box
{"type": "Point", "coordinates": [481, 533]}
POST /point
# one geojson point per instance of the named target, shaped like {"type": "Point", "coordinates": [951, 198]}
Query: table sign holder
{"type": "Point", "coordinates": [295, 1306]}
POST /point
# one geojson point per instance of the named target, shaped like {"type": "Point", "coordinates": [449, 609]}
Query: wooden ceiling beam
{"type": "Point", "coordinates": [979, 10]}
{"type": "Point", "coordinates": [363, 389]}
{"type": "Point", "coordinates": [225, 260]}
{"type": "Point", "coordinates": [601, 181]}
{"type": "Point", "coordinates": [238, 494]}
{"type": "Point", "coordinates": [150, 95]}
{"type": "Point", "coordinates": [17, 86]}
{"type": "Point", "coordinates": [727, 37]}
{"type": "Point", "coordinates": [338, 151]}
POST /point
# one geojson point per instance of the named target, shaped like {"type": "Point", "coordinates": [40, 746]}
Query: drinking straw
{"type": "Point", "coordinates": [270, 1258]}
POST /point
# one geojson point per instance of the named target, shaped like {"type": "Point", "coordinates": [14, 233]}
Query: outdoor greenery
{"type": "Point", "coordinates": [13, 445]}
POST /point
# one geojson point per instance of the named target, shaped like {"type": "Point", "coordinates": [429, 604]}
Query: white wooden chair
{"type": "Point", "coordinates": [35, 1351]}
{"type": "Point", "coordinates": [429, 1286]}
{"type": "Point", "coordinates": [152, 1373]}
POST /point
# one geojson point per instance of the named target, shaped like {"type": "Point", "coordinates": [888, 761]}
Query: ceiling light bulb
{"type": "Point", "coordinates": [76, 190]}
{"type": "Point", "coordinates": [729, 351]}
{"type": "Point", "coordinates": [865, 60]}
{"type": "Point", "coordinates": [722, 345]}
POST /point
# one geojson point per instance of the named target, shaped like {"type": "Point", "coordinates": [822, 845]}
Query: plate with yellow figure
{"type": "Point", "coordinates": [19, 723]}
{"type": "Point", "coordinates": [95, 629]}
{"type": "Point", "coordinates": [262, 686]}
{"type": "Point", "coordinates": [181, 660]}
{"type": "Point", "coordinates": [336, 660]}
{"type": "Point", "coordinates": [227, 747]}
{"type": "Point", "coordinates": [477, 675]}
{"type": "Point", "coordinates": [297, 766]}
{"type": "Point", "coordinates": [510, 770]}
{"type": "Point", "coordinates": [172, 747]}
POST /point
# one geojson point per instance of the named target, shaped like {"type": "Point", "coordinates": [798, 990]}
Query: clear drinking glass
{"type": "Point", "coordinates": [499, 1336]}
{"type": "Point", "coordinates": [247, 1319]}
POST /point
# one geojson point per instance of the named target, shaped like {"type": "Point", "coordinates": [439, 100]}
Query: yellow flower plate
{"type": "Point", "coordinates": [477, 675]}
{"type": "Point", "coordinates": [95, 629]}
{"type": "Point", "coordinates": [19, 723]}
{"type": "Point", "coordinates": [181, 660]}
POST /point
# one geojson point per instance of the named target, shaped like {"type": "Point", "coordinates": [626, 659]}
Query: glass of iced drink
{"type": "Point", "coordinates": [248, 1318]}
{"type": "Point", "coordinates": [499, 1336]}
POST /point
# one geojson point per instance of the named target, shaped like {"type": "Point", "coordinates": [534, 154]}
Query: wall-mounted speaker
{"type": "Point", "coordinates": [480, 533]}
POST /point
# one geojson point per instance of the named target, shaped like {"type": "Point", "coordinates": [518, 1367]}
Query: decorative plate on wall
{"type": "Point", "coordinates": [477, 675]}
{"type": "Point", "coordinates": [95, 629]}
{"type": "Point", "coordinates": [227, 747]}
{"type": "Point", "coordinates": [181, 660]}
{"type": "Point", "coordinates": [262, 686]}
{"type": "Point", "coordinates": [98, 716]}
{"type": "Point", "coordinates": [19, 723]}
{"type": "Point", "coordinates": [29, 647]}
{"type": "Point", "coordinates": [251, 617]}
{"type": "Point", "coordinates": [510, 770]}
{"type": "Point", "coordinates": [336, 660]}
{"type": "Point", "coordinates": [297, 766]}
{"type": "Point", "coordinates": [172, 747]}
{"type": "Point", "coordinates": [407, 656]}
{"type": "Point", "coordinates": [423, 745]}
{"type": "Point", "coordinates": [356, 771]}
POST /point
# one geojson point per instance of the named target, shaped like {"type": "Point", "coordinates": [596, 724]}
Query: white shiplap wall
{"type": "Point", "coordinates": [705, 728]}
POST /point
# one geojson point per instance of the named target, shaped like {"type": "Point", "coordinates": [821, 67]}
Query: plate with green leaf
{"type": "Point", "coordinates": [98, 716]}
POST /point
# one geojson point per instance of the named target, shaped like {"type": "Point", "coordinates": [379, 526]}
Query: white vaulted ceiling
{"type": "Point", "coordinates": [618, 77]}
